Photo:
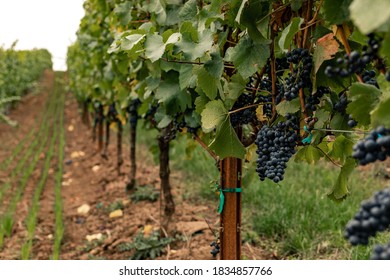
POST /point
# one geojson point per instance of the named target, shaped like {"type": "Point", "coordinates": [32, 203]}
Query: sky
{"type": "Point", "coordinates": [49, 24]}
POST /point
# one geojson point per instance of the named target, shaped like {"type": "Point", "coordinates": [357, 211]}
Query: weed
{"type": "Point", "coordinates": [144, 247]}
{"type": "Point", "coordinates": [147, 192]}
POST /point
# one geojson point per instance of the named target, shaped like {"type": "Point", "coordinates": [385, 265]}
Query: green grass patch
{"type": "Point", "coordinates": [58, 204]}
{"type": "Point", "coordinates": [299, 220]}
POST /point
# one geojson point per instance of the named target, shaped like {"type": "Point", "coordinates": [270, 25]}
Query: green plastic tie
{"type": "Point", "coordinates": [222, 196]}
{"type": "Point", "coordinates": [307, 140]}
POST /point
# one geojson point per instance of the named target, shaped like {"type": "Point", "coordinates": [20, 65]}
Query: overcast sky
{"type": "Point", "coordinates": [50, 24]}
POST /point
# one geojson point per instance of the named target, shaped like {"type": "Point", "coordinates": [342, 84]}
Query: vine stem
{"type": "Point", "coordinates": [226, 65]}
{"type": "Point", "coordinates": [328, 157]}
{"type": "Point", "coordinates": [204, 146]}
{"type": "Point", "coordinates": [247, 107]}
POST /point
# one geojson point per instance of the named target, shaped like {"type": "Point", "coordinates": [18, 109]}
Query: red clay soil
{"type": "Point", "coordinates": [90, 179]}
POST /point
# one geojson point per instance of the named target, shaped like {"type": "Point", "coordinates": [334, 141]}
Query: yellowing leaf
{"type": "Point", "coordinates": [326, 48]}
{"type": "Point", "coordinates": [260, 113]}
{"type": "Point", "coordinates": [148, 229]}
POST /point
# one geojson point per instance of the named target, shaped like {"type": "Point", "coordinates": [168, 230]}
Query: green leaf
{"type": "Point", "coordinates": [189, 11]}
{"type": "Point", "coordinates": [309, 154]}
{"type": "Point", "coordinates": [340, 188]}
{"type": "Point", "coordinates": [341, 148]}
{"type": "Point", "coordinates": [165, 121]}
{"type": "Point", "coordinates": [123, 12]}
{"type": "Point", "coordinates": [380, 115]}
{"type": "Point", "coordinates": [193, 48]}
{"type": "Point", "coordinates": [339, 122]}
{"type": "Point", "coordinates": [155, 47]}
{"type": "Point", "coordinates": [296, 5]}
{"type": "Point", "coordinates": [385, 47]}
{"type": "Point", "coordinates": [336, 11]}
{"type": "Point", "coordinates": [254, 15]}
{"type": "Point", "coordinates": [248, 56]}
{"type": "Point", "coordinates": [369, 15]}
{"type": "Point", "coordinates": [215, 66]}
{"type": "Point", "coordinates": [158, 8]}
{"type": "Point", "coordinates": [226, 143]}
{"type": "Point", "coordinates": [213, 115]}
{"type": "Point", "coordinates": [289, 32]}
{"type": "Point", "coordinates": [288, 107]}
{"type": "Point", "coordinates": [207, 83]}
{"type": "Point", "coordinates": [169, 93]}
{"type": "Point", "coordinates": [241, 9]}
{"type": "Point", "coordinates": [186, 77]}
{"type": "Point", "coordinates": [322, 116]}
{"type": "Point", "coordinates": [130, 41]}
{"type": "Point", "coordinates": [235, 87]}
{"type": "Point", "coordinates": [200, 101]}
{"type": "Point", "coordinates": [363, 98]}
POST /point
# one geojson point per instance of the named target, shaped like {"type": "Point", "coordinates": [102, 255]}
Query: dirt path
{"type": "Point", "coordinates": [92, 181]}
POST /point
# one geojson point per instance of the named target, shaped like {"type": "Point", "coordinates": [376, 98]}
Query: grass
{"type": "Point", "coordinates": [31, 219]}
{"type": "Point", "coordinates": [187, 157]}
{"type": "Point", "coordinates": [6, 223]}
{"type": "Point", "coordinates": [58, 204]}
{"type": "Point", "coordinates": [296, 219]}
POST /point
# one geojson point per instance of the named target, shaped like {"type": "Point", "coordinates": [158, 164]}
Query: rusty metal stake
{"type": "Point", "coordinates": [230, 233]}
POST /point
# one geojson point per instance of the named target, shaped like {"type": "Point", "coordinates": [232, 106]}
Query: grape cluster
{"type": "Point", "coordinates": [216, 249]}
{"type": "Point", "coordinates": [275, 146]}
{"type": "Point", "coordinates": [355, 62]}
{"type": "Point", "coordinates": [369, 78]}
{"type": "Point", "coordinates": [179, 123]}
{"type": "Point", "coordinates": [372, 217]}
{"type": "Point", "coordinates": [313, 100]}
{"type": "Point", "coordinates": [375, 146]}
{"type": "Point", "coordinates": [381, 252]}
{"type": "Point", "coordinates": [341, 104]}
{"type": "Point", "coordinates": [300, 78]}
{"type": "Point", "coordinates": [244, 116]}
{"type": "Point", "coordinates": [351, 122]}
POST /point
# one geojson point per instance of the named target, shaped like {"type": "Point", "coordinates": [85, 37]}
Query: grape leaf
{"type": "Point", "coordinates": [289, 32]}
{"type": "Point", "coordinates": [309, 154]}
{"type": "Point", "coordinates": [327, 46]}
{"type": "Point", "coordinates": [189, 11]}
{"type": "Point", "coordinates": [122, 11]}
{"type": "Point", "coordinates": [194, 48]}
{"type": "Point", "coordinates": [385, 48]}
{"type": "Point", "coordinates": [380, 115]}
{"type": "Point", "coordinates": [186, 77]}
{"type": "Point", "coordinates": [340, 188]}
{"type": "Point", "coordinates": [215, 65]}
{"type": "Point", "coordinates": [248, 56]}
{"type": "Point", "coordinates": [336, 11]}
{"type": "Point", "coordinates": [363, 98]}
{"type": "Point", "coordinates": [207, 83]}
{"type": "Point", "coordinates": [236, 86]}
{"type": "Point", "coordinates": [130, 41]}
{"type": "Point", "coordinates": [341, 148]}
{"type": "Point", "coordinates": [154, 47]}
{"type": "Point", "coordinates": [288, 107]}
{"type": "Point", "coordinates": [158, 8]}
{"type": "Point", "coordinates": [226, 143]}
{"type": "Point", "coordinates": [213, 115]}
{"type": "Point", "coordinates": [296, 5]}
{"type": "Point", "coordinates": [369, 19]}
